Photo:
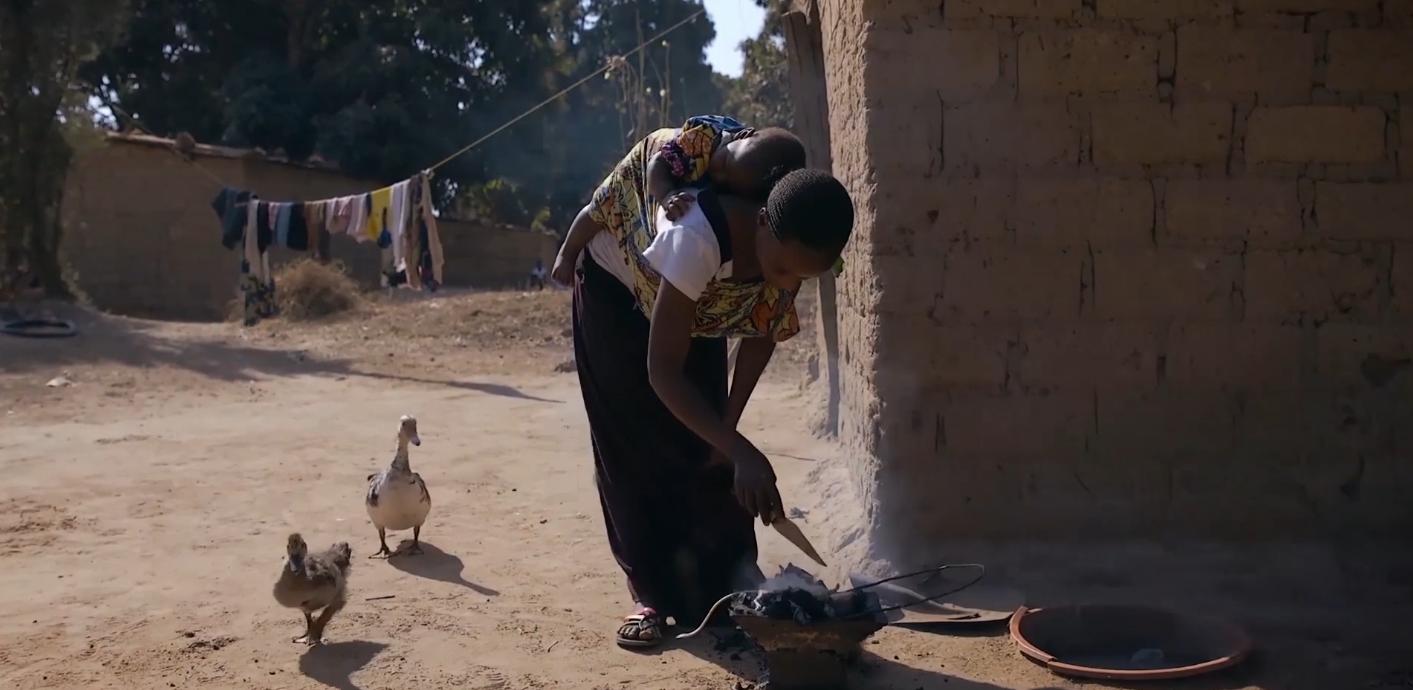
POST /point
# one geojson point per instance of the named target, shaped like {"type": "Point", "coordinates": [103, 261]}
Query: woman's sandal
{"type": "Point", "coordinates": [641, 630]}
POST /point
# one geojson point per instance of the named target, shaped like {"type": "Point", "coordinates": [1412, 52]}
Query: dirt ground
{"type": "Point", "coordinates": [144, 509]}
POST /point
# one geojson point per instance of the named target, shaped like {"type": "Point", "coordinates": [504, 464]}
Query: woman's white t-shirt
{"type": "Point", "coordinates": [684, 251]}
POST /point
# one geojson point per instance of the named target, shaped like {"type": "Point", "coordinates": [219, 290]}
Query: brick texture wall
{"type": "Point", "coordinates": [1127, 267]}
{"type": "Point", "coordinates": [141, 238]}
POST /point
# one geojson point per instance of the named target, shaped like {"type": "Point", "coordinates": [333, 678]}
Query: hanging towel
{"type": "Point", "coordinates": [272, 219]}
{"type": "Point", "coordinates": [321, 250]}
{"type": "Point", "coordinates": [434, 240]}
{"type": "Point", "coordinates": [378, 212]}
{"type": "Point", "coordinates": [232, 207]}
{"type": "Point", "coordinates": [264, 224]}
{"type": "Point", "coordinates": [252, 246]}
{"type": "Point", "coordinates": [314, 225]}
{"type": "Point", "coordinates": [358, 218]}
{"type": "Point", "coordinates": [297, 232]}
{"type": "Point", "coordinates": [282, 219]}
{"type": "Point", "coordinates": [319, 232]}
{"type": "Point", "coordinates": [397, 223]}
{"type": "Point", "coordinates": [338, 212]}
{"type": "Point", "coordinates": [412, 236]}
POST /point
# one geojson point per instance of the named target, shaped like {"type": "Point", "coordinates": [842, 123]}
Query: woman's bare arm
{"type": "Point", "coordinates": [580, 232]}
{"type": "Point", "coordinates": [668, 343]}
{"type": "Point", "coordinates": [751, 360]}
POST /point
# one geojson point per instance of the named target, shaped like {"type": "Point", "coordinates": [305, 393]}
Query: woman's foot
{"type": "Point", "coordinates": [641, 630]}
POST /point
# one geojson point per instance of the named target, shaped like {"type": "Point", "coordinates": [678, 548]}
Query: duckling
{"type": "Point", "coordinates": [397, 497]}
{"type": "Point", "coordinates": [310, 583]}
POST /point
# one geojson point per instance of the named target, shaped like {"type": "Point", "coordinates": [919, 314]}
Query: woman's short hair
{"type": "Point", "coordinates": [812, 208]}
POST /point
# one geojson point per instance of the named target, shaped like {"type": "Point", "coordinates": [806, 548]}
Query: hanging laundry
{"type": "Point", "coordinates": [255, 226]}
{"type": "Point", "coordinates": [297, 235]}
{"type": "Point", "coordinates": [433, 239]}
{"type": "Point", "coordinates": [272, 219]}
{"type": "Point", "coordinates": [378, 213]}
{"type": "Point", "coordinates": [318, 228]}
{"type": "Point", "coordinates": [400, 218]}
{"type": "Point", "coordinates": [282, 218]}
{"type": "Point", "coordinates": [256, 284]}
{"type": "Point", "coordinates": [358, 219]}
{"type": "Point", "coordinates": [397, 224]}
{"type": "Point", "coordinates": [337, 215]}
{"type": "Point", "coordinates": [416, 230]}
{"type": "Point", "coordinates": [231, 207]}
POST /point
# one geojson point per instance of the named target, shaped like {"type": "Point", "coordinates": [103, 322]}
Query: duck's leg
{"type": "Point", "coordinates": [317, 635]}
{"type": "Point", "coordinates": [416, 547]}
{"type": "Point", "coordinates": [383, 552]}
{"type": "Point", "coordinates": [308, 629]}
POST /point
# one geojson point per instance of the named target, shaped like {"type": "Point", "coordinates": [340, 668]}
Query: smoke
{"type": "Point", "coordinates": [793, 577]}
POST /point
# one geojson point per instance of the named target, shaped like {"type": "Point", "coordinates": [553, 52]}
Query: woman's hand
{"type": "Point", "coordinates": [755, 483]}
{"type": "Point", "coordinates": [563, 271]}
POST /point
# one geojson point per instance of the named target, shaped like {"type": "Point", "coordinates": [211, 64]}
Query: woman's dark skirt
{"type": "Point", "coordinates": [674, 524]}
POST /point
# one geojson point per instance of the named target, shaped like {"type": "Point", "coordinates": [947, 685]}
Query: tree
{"type": "Point", "coordinates": [761, 95]}
{"type": "Point", "coordinates": [43, 43]}
{"type": "Point", "coordinates": [384, 88]}
{"type": "Point", "coordinates": [593, 126]}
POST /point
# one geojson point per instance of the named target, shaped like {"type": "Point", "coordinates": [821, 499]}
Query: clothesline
{"type": "Point", "coordinates": [608, 64]}
{"type": "Point", "coordinates": [399, 218]}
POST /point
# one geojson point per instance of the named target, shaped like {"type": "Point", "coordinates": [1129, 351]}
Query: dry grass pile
{"type": "Point", "coordinates": [307, 290]}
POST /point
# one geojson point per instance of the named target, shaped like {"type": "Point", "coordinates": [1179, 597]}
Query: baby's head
{"type": "Point", "coordinates": [754, 162]}
{"type": "Point", "coordinates": [803, 227]}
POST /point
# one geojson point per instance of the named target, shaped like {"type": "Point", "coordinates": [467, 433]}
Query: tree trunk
{"type": "Point", "coordinates": [45, 226]}
{"type": "Point", "coordinates": [34, 164]}
{"type": "Point", "coordinates": [14, 91]}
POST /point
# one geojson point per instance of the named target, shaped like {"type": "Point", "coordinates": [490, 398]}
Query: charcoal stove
{"type": "Point", "coordinates": [813, 656]}
{"type": "Point", "coordinates": [810, 634]}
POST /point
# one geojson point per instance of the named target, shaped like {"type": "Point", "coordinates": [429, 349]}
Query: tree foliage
{"type": "Point", "coordinates": [761, 95]}
{"type": "Point", "coordinates": [381, 88]}
{"type": "Point", "coordinates": [387, 88]}
{"type": "Point", "coordinates": [43, 43]}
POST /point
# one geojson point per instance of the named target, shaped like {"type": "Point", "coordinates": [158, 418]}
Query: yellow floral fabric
{"type": "Point", "coordinates": [726, 308]}
{"type": "Point", "coordinates": [696, 144]}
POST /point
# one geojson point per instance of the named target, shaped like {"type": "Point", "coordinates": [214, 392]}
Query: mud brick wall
{"type": "Point", "coordinates": [1127, 267]}
{"type": "Point", "coordinates": [140, 238]}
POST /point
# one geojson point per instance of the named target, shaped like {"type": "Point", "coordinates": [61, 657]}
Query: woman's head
{"type": "Point", "coordinates": [804, 226]}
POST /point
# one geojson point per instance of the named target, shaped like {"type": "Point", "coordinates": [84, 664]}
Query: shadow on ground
{"type": "Point", "coordinates": [334, 664]}
{"type": "Point", "coordinates": [435, 564]}
{"type": "Point", "coordinates": [140, 344]}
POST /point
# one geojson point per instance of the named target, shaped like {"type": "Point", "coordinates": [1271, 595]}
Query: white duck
{"type": "Point", "coordinates": [397, 497]}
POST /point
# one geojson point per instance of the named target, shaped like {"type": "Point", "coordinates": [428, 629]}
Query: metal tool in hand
{"type": "Point", "coordinates": [791, 531]}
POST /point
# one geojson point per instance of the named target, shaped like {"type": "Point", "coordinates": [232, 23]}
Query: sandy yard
{"type": "Point", "coordinates": [144, 509]}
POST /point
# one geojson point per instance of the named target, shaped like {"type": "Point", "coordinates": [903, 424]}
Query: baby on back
{"type": "Point", "coordinates": [708, 151]}
{"type": "Point", "coordinates": [723, 153]}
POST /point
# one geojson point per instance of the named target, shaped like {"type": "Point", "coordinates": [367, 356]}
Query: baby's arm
{"type": "Point", "coordinates": [664, 191]}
